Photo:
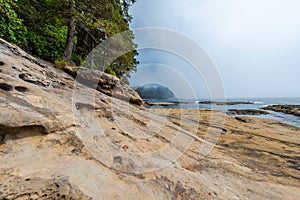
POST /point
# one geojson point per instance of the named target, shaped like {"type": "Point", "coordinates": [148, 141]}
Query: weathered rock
{"type": "Point", "coordinates": [105, 83]}
{"type": "Point", "coordinates": [56, 131]}
{"type": "Point", "coordinates": [247, 112]}
{"type": "Point", "coordinates": [9, 48]}
{"type": "Point", "coordinates": [14, 187]}
{"type": "Point", "coordinates": [287, 109]}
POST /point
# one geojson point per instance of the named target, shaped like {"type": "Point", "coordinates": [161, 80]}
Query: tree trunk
{"type": "Point", "coordinates": [67, 55]}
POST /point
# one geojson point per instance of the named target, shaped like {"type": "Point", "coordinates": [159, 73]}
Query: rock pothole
{"type": "Point", "coordinates": [1, 63]}
{"type": "Point", "coordinates": [31, 79]}
{"type": "Point", "coordinates": [21, 89]}
{"type": "Point", "coordinates": [17, 132]}
{"type": "Point", "coordinates": [5, 87]}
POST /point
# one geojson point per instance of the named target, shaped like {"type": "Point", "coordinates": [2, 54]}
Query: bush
{"type": "Point", "coordinates": [11, 27]}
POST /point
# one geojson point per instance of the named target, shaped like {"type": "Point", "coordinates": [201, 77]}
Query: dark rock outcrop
{"type": "Point", "coordinates": [105, 83]}
{"type": "Point", "coordinates": [247, 112]}
{"type": "Point", "coordinates": [225, 102]}
{"type": "Point", "coordinates": [287, 109]}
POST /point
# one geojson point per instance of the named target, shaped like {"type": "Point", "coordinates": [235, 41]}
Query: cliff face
{"type": "Point", "coordinates": [67, 139]}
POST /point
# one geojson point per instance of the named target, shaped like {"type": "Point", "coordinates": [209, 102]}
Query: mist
{"type": "Point", "coordinates": [254, 45]}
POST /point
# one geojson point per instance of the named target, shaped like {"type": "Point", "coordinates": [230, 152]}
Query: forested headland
{"type": "Point", "coordinates": [62, 31]}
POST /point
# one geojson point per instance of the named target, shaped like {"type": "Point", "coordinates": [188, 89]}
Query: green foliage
{"type": "Point", "coordinates": [47, 43]}
{"type": "Point", "coordinates": [47, 32]}
{"type": "Point", "coordinates": [110, 71]}
{"type": "Point", "coordinates": [11, 27]}
{"type": "Point", "coordinates": [60, 63]}
{"type": "Point", "coordinates": [40, 27]}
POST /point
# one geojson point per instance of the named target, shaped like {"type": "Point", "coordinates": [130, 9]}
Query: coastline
{"type": "Point", "coordinates": [282, 109]}
{"type": "Point", "coordinates": [287, 109]}
{"type": "Point", "coordinates": [91, 142]}
{"type": "Point", "coordinates": [241, 138]}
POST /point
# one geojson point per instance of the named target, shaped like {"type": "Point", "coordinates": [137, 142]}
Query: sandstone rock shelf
{"type": "Point", "coordinates": [62, 139]}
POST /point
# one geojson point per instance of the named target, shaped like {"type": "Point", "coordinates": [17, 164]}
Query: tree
{"type": "Point", "coordinates": [70, 29]}
{"type": "Point", "coordinates": [46, 27]}
{"type": "Point", "coordinates": [11, 26]}
{"type": "Point", "coordinates": [67, 54]}
{"type": "Point", "coordinates": [125, 7]}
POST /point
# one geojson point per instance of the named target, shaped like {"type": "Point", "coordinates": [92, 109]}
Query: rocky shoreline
{"type": "Point", "coordinates": [287, 109]}
{"type": "Point", "coordinates": [247, 112]}
{"type": "Point", "coordinates": [67, 139]}
{"type": "Point", "coordinates": [225, 102]}
{"type": "Point", "coordinates": [220, 103]}
{"type": "Point", "coordinates": [162, 103]}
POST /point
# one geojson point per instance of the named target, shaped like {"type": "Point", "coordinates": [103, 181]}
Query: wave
{"type": "Point", "coordinates": [258, 102]}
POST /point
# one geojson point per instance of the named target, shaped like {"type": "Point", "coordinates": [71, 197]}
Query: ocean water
{"type": "Point", "coordinates": [258, 104]}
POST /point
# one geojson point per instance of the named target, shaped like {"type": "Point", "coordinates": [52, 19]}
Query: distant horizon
{"type": "Point", "coordinates": [276, 97]}
{"type": "Point", "coordinates": [238, 97]}
{"type": "Point", "coordinates": [233, 98]}
{"type": "Point", "coordinates": [254, 45]}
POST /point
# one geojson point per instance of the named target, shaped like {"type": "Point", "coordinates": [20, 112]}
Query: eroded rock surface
{"type": "Point", "coordinates": [104, 83]}
{"type": "Point", "coordinates": [14, 187]}
{"type": "Point", "coordinates": [63, 139]}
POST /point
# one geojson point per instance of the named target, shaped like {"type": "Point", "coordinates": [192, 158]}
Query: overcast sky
{"type": "Point", "coordinates": [255, 45]}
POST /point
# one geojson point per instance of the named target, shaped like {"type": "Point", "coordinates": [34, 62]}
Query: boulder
{"type": "Point", "coordinates": [105, 83]}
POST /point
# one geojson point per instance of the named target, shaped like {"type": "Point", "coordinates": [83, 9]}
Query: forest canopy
{"type": "Point", "coordinates": [67, 30]}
